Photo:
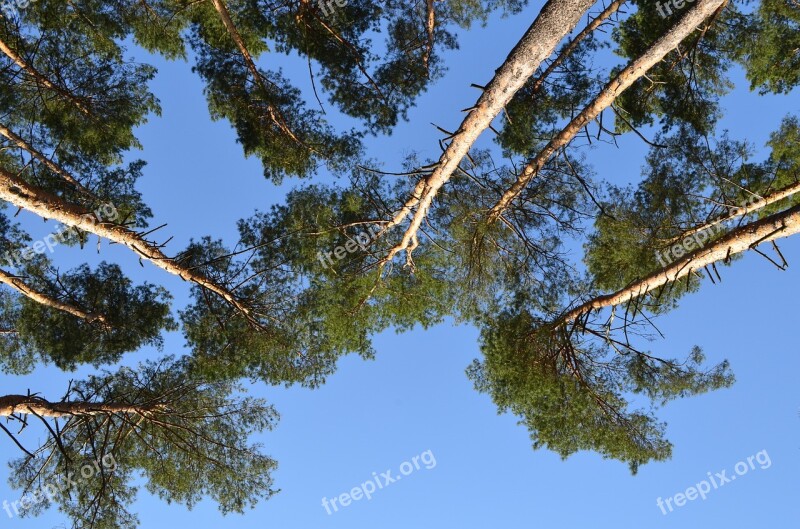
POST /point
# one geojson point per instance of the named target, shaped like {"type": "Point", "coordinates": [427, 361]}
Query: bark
{"type": "Point", "coordinates": [18, 285]}
{"type": "Point", "coordinates": [612, 8]}
{"type": "Point", "coordinates": [785, 192]}
{"type": "Point", "coordinates": [23, 404]}
{"type": "Point", "coordinates": [50, 206]}
{"type": "Point", "coordinates": [777, 226]}
{"type": "Point", "coordinates": [634, 71]}
{"type": "Point", "coordinates": [22, 144]}
{"type": "Point", "coordinates": [41, 78]}
{"type": "Point", "coordinates": [556, 19]}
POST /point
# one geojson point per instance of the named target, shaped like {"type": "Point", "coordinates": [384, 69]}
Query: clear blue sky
{"type": "Point", "coordinates": [372, 416]}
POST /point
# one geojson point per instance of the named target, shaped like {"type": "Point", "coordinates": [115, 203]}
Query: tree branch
{"type": "Point", "coordinates": [40, 297]}
{"type": "Point", "coordinates": [42, 79]}
{"type": "Point", "coordinates": [28, 404]}
{"type": "Point", "coordinates": [25, 146]}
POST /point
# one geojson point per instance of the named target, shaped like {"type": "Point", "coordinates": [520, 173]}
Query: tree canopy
{"type": "Point", "coordinates": [559, 268]}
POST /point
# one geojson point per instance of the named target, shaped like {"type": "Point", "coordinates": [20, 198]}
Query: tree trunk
{"type": "Point", "coordinates": [46, 300]}
{"type": "Point", "coordinates": [48, 205]}
{"type": "Point", "coordinates": [770, 228]}
{"type": "Point", "coordinates": [635, 70]}
{"type": "Point", "coordinates": [23, 404]}
{"type": "Point", "coordinates": [612, 8]}
{"type": "Point", "coordinates": [41, 79]}
{"type": "Point", "coordinates": [556, 19]}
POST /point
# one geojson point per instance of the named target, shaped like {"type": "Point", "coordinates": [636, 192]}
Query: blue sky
{"type": "Point", "coordinates": [372, 416]}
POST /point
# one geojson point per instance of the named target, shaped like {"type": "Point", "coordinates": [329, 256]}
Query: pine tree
{"type": "Point", "coordinates": [484, 233]}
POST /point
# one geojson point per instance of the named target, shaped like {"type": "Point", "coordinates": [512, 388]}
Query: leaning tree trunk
{"type": "Point", "coordinates": [47, 205]}
{"type": "Point", "coordinates": [768, 229]}
{"type": "Point", "coordinates": [40, 297]}
{"type": "Point", "coordinates": [47, 162]}
{"type": "Point", "coordinates": [28, 404]}
{"type": "Point", "coordinates": [612, 8]}
{"type": "Point", "coordinates": [556, 20]}
{"type": "Point", "coordinates": [634, 71]}
{"type": "Point", "coordinates": [41, 78]}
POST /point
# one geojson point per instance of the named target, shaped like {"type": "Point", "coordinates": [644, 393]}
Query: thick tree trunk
{"type": "Point", "coordinates": [47, 205]}
{"type": "Point", "coordinates": [18, 285]}
{"type": "Point", "coordinates": [612, 8]}
{"type": "Point", "coordinates": [556, 20]}
{"type": "Point", "coordinates": [635, 70]}
{"type": "Point", "coordinates": [41, 78]}
{"type": "Point", "coordinates": [23, 404]}
{"type": "Point", "coordinates": [770, 228]}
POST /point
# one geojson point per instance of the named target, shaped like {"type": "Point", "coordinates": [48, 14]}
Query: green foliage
{"type": "Point", "coordinates": [538, 110]}
{"type": "Point", "coordinates": [687, 183]}
{"type": "Point", "coordinates": [313, 271]}
{"type": "Point", "coordinates": [576, 396]}
{"type": "Point", "coordinates": [263, 119]}
{"type": "Point", "coordinates": [315, 309]}
{"type": "Point", "coordinates": [682, 89]}
{"type": "Point", "coordinates": [783, 166]}
{"type": "Point", "coordinates": [466, 12]}
{"type": "Point", "coordinates": [135, 317]}
{"type": "Point", "coordinates": [766, 43]}
{"type": "Point", "coordinates": [98, 97]}
{"type": "Point", "coordinates": [192, 444]}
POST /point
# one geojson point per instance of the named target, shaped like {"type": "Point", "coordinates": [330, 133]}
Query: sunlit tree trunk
{"type": "Point", "coordinates": [556, 20]}
{"type": "Point", "coordinates": [777, 226]}
{"type": "Point", "coordinates": [47, 205]}
{"type": "Point", "coordinates": [23, 404]}
{"type": "Point", "coordinates": [634, 71]}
